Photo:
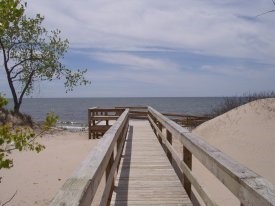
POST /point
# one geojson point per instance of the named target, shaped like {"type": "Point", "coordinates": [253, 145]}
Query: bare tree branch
{"type": "Point", "coordinates": [19, 63]}
{"type": "Point", "coordinates": [11, 47]}
{"type": "Point", "coordinates": [265, 13]}
{"type": "Point", "coordinates": [273, 10]}
{"type": "Point", "coordinates": [15, 75]}
{"type": "Point", "coordinates": [26, 86]}
{"type": "Point", "coordinates": [9, 199]}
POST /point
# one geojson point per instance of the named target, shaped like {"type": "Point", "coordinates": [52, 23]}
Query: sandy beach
{"type": "Point", "coordinates": [37, 177]}
{"type": "Point", "coordinates": [247, 134]}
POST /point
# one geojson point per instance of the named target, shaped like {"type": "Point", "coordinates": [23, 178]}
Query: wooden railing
{"type": "Point", "coordinates": [247, 186]}
{"type": "Point", "coordinates": [99, 120]}
{"type": "Point", "coordinates": [188, 121]}
{"type": "Point", "coordinates": [80, 189]}
{"type": "Point", "coordinates": [136, 112]}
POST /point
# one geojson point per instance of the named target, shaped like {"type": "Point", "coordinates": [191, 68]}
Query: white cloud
{"type": "Point", "coordinates": [178, 83]}
{"type": "Point", "coordinates": [239, 71]}
{"type": "Point", "coordinates": [134, 62]}
{"type": "Point", "coordinates": [111, 29]}
{"type": "Point", "coordinates": [209, 27]}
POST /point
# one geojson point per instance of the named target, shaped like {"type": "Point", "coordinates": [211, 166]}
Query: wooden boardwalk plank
{"type": "Point", "coordinates": [145, 175]}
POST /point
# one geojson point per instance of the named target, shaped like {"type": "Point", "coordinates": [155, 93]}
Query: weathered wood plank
{"type": "Point", "coordinates": [108, 110]}
{"type": "Point", "coordinates": [90, 121]}
{"type": "Point", "coordinates": [187, 159]}
{"type": "Point", "coordinates": [145, 179]}
{"type": "Point", "coordinates": [107, 194]}
{"type": "Point", "coordinates": [132, 107]}
{"type": "Point", "coordinates": [100, 127]}
{"type": "Point", "coordinates": [185, 170]}
{"type": "Point", "coordinates": [249, 187]}
{"type": "Point", "coordinates": [111, 117]}
{"type": "Point", "coordinates": [81, 188]}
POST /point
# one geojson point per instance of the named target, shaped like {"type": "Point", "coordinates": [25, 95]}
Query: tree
{"type": "Point", "coordinates": [20, 138]}
{"type": "Point", "coordinates": [30, 53]}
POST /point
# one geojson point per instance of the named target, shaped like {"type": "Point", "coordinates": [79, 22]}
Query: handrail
{"type": "Point", "coordinates": [249, 187]}
{"type": "Point", "coordinates": [184, 115]}
{"type": "Point", "coordinates": [82, 186]}
{"type": "Point", "coordinates": [136, 112]}
{"type": "Point", "coordinates": [132, 107]}
{"type": "Point", "coordinates": [97, 109]}
{"type": "Point", "coordinates": [97, 115]}
{"type": "Point", "coordinates": [190, 121]}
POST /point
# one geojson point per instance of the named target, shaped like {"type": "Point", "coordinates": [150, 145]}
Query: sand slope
{"type": "Point", "coordinates": [247, 134]}
{"type": "Point", "coordinates": [37, 177]}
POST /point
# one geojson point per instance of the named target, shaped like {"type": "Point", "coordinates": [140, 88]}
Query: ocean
{"type": "Point", "coordinates": [74, 110]}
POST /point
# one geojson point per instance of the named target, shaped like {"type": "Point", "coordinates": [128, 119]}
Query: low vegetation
{"type": "Point", "coordinates": [16, 119]}
{"type": "Point", "coordinates": [16, 133]}
{"type": "Point", "coordinates": [230, 103]}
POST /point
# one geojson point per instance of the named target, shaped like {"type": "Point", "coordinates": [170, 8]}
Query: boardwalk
{"type": "Point", "coordinates": [138, 171]}
{"type": "Point", "coordinates": [145, 175]}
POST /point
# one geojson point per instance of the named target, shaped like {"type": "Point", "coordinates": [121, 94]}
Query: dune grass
{"type": "Point", "coordinates": [230, 103]}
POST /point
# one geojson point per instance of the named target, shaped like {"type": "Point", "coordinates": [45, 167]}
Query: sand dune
{"type": "Point", "coordinates": [247, 134]}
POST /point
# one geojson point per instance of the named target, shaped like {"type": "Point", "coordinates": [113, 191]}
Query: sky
{"type": "Point", "coordinates": [160, 48]}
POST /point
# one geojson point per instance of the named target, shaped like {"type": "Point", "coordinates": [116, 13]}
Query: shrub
{"type": "Point", "coordinates": [3, 101]}
{"type": "Point", "coordinates": [230, 103]}
{"type": "Point", "coordinates": [13, 137]}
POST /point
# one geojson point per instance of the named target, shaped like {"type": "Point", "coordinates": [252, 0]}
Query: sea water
{"type": "Point", "coordinates": [73, 112]}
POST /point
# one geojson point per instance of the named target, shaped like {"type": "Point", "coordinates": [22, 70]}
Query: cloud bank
{"type": "Point", "coordinates": [184, 48]}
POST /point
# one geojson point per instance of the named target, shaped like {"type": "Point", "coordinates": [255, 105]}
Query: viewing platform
{"type": "Point", "coordinates": [136, 163]}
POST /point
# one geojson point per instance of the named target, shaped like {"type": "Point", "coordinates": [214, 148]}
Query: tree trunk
{"type": "Point", "coordinates": [16, 107]}
{"type": "Point", "coordinates": [17, 103]}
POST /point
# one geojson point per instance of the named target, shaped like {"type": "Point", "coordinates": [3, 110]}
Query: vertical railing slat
{"type": "Point", "coordinates": [187, 158]}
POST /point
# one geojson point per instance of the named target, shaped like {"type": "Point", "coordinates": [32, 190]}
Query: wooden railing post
{"type": "Point", "coordinates": [93, 121]}
{"type": "Point", "coordinates": [169, 139]}
{"type": "Point", "coordinates": [89, 123]}
{"type": "Point", "coordinates": [81, 188]}
{"type": "Point", "coordinates": [187, 158]}
{"type": "Point", "coordinates": [108, 169]}
{"type": "Point", "coordinates": [160, 128]}
{"type": "Point", "coordinates": [155, 131]}
{"type": "Point", "coordinates": [249, 187]}
{"type": "Point", "coordinates": [119, 140]}
{"type": "Point", "coordinates": [154, 120]}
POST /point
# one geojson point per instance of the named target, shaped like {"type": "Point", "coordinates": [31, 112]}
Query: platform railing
{"type": "Point", "coordinates": [136, 112]}
{"type": "Point", "coordinates": [99, 120]}
{"type": "Point", "coordinates": [188, 121]}
{"type": "Point", "coordinates": [249, 187]}
{"type": "Point", "coordinates": [81, 188]}
{"type": "Point", "coordinates": [185, 120]}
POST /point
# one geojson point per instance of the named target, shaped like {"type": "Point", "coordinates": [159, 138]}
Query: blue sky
{"type": "Point", "coordinates": [153, 48]}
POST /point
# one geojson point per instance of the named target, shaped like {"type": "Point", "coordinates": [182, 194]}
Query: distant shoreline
{"type": "Point", "coordinates": [75, 109]}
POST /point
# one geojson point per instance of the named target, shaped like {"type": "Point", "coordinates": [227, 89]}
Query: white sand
{"type": "Point", "coordinates": [247, 134]}
{"type": "Point", "coordinates": [37, 177]}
